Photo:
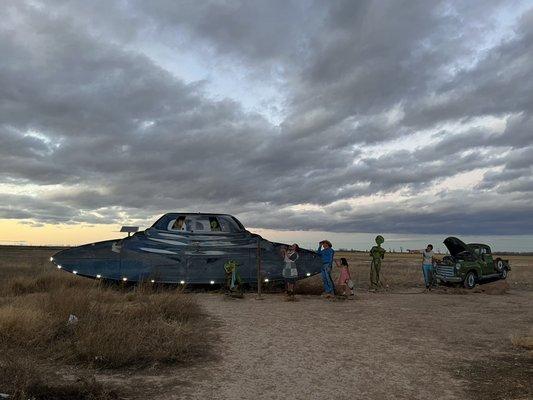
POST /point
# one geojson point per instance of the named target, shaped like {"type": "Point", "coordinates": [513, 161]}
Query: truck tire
{"type": "Point", "coordinates": [503, 273]}
{"type": "Point", "coordinates": [470, 280]}
{"type": "Point", "coordinates": [499, 265]}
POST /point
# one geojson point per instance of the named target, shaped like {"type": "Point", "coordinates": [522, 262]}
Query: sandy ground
{"type": "Point", "coordinates": [380, 346]}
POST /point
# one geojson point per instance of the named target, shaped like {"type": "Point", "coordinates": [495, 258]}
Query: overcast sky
{"type": "Point", "coordinates": [347, 116]}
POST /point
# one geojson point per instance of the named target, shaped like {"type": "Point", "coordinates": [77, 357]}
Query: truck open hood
{"type": "Point", "coordinates": [455, 246]}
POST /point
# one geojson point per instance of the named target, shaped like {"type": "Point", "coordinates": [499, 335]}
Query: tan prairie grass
{"type": "Point", "coordinates": [521, 275]}
{"type": "Point", "coordinates": [40, 283]}
{"type": "Point", "coordinates": [524, 341]}
{"type": "Point", "coordinates": [110, 332]}
{"type": "Point", "coordinates": [25, 260]}
{"type": "Point", "coordinates": [117, 327]}
{"type": "Point", "coordinates": [20, 326]}
{"type": "Point", "coordinates": [399, 270]}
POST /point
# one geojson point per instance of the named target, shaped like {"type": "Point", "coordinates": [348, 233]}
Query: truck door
{"type": "Point", "coordinates": [489, 262]}
{"type": "Point", "coordinates": [479, 259]}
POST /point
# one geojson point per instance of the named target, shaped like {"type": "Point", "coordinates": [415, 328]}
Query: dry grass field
{"type": "Point", "coordinates": [142, 343]}
{"type": "Point", "coordinates": [43, 355]}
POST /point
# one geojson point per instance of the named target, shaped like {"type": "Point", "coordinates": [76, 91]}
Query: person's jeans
{"type": "Point", "coordinates": [427, 269]}
{"type": "Point", "coordinates": [326, 279]}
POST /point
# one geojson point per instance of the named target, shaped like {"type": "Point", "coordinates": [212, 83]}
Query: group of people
{"type": "Point", "coordinates": [345, 282]}
{"type": "Point", "coordinates": [326, 253]}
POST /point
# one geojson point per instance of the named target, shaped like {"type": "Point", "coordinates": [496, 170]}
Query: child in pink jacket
{"type": "Point", "coordinates": [345, 280]}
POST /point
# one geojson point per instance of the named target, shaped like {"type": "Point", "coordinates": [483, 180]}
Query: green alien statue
{"type": "Point", "coordinates": [233, 279]}
{"type": "Point", "coordinates": [377, 253]}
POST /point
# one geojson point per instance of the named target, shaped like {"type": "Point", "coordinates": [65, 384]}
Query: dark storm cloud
{"type": "Point", "coordinates": [518, 132]}
{"type": "Point", "coordinates": [83, 107]}
{"type": "Point", "coordinates": [254, 30]}
{"type": "Point", "coordinates": [374, 56]}
{"type": "Point", "coordinates": [27, 157]}
{"type": "Point", "coordinates": [456, 213]}
{"type": "Point", "coordinates": [38, 210]}
{"type": "Point", "coordinates": [515, 177]}
{"type": "Point", "coordinates": [62, 82]}
{"type": "Point", "coordinates": [500, 83]}
{"type": "Point", "coordinates": [26, 146]}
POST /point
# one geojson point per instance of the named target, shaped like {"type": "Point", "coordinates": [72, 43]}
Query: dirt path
{"type": "Point", "coordinates": [380, 346]}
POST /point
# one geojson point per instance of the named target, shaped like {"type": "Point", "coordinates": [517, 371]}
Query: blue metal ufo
{"type": "Point", "coordinates": [184, 248]}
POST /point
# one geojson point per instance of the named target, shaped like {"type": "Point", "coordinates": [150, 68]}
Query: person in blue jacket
{"type": "Point", "coordinates": [326, 252]}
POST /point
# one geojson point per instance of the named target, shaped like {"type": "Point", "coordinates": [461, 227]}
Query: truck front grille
{"type": "Point", "coordinates": [445, 270]}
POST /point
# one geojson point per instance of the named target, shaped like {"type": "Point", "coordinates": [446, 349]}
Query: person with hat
{"type": "Point", "coordinates": [326, 252]}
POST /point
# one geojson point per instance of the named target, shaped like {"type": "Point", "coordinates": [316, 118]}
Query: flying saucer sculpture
{"type": "Point", "coordinates": [187, 249]}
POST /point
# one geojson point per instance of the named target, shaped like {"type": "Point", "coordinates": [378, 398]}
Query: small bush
{"type": "Point", "coordinates": [524, 342]}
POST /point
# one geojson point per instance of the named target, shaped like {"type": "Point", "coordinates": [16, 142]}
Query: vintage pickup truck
{"type": "Point", "coordinates": [469, 264]}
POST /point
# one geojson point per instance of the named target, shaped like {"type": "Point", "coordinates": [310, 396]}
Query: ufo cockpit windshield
{"type": "Point", "coordinates": [199, 223]}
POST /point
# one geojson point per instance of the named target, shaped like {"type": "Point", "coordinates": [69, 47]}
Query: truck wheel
{"type": "Point", "coordinates": [503, 274]}
{"type": "Point", "coordinates": [499, 265]}
{"type": "Point", "coordinates": [470, 280]}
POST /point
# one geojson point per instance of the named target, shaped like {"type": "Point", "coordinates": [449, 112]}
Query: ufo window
{"type": "Point", "coordinates": [202, 223]}
{"type": "Point", "coordinates": [181, 223]}
{"type": "Point", "coordinates": [211, 224]}
{"type": "Point", "coordinates": [228, 224]}
{"type": "Point", "coordinates": [214, 224]}
{"type": "Point", "coordinates": [199, 224]}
